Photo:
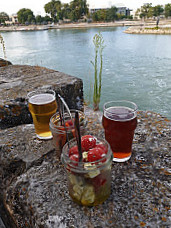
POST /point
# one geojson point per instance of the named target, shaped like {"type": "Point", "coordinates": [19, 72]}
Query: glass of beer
{"type": "Point", "coordinates": [42, 105]}
{"type": "Point", "coordinates": [119, 122]}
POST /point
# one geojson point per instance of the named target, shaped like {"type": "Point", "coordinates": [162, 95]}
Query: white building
{"type": "Point", "coordinates": [13, 19]}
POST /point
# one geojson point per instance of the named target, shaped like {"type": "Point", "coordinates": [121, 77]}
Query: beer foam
{"type": "Point", "coordinates": [41, 99]}
{"type": "Point", "coordinates": [120, 113]}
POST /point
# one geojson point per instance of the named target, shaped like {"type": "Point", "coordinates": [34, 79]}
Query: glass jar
{"type": "Point", "coordinates": [58, 130]}
{"type": "Point", "coordinates": [89, 183]}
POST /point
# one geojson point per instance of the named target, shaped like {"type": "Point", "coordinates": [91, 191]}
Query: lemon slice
{"type": "Point", "coordinates": [88, 195]}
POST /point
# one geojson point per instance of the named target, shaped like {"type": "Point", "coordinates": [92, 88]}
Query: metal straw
{"type": "Point", "coordinates": [66, 106]}
{"type": "Point", "coordinates": [59, 108]}
{"type": "Point", "coordinates": [78, 135]}
{"type": "Point", "coordinates": [63, 118]}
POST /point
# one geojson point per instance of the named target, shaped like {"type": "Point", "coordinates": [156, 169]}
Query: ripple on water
{"type": "Point", "coordinates": [161, 83]}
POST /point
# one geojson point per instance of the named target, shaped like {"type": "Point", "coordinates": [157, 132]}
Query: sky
{"type": "Point", "coordinates": [37, 6]}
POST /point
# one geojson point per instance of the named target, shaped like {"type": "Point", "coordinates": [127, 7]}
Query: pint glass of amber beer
{"type": "Point", "coordinates": [42, 105]}
{"type": "Point", "coordinates": [119, 122]}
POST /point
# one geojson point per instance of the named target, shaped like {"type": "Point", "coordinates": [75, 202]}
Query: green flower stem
{"type": "Point", "coordinates": [98, 43]}
{"type": "Point", "coordinates": [3, 46]}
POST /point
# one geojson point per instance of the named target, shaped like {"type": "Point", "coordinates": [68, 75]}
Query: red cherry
{"type": "Point", "coordinates": [103, 147]}
{"type": "Point", "coordinates": [73, 150]}
{"type": "Point", "coordinates": [75, 158]}
{"type": "Point", "coordinates": [95, 154]}
{"type": "Point", "coordinates": [69, 123]}
{"type": "Point", "coordinates": [88, 142]}
{"type": "Point", "coordinates": [98, 181]}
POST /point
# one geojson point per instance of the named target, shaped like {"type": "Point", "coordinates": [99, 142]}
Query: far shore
{"type": "Point", "coordinates": [68, 26]}
{"type": "Point", "coordinates": [135, 27]}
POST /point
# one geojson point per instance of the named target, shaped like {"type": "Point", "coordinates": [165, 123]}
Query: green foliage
{"type": "Point", "coordinates": [154, 28]}
{"type": "Point", "coordinates": [42, 20]}
{"type": "Point", "coordinates": [95, 17]}
{"type": "Point", "coordinates": [66, 11]}
{"type": "Point", "coordinates": [111, 14]}
{"type": "Point", "coordinates": [54, 9]}
{"type": "Point", "coordinates": [99, 46]}
{"type": "Point", "coordinates": [39, 19]}
{"type": "Point", "coordinates": [3, 17]}
{"type": "Point", "coordinates": [157, 10]}
{"type": "Point", "coordinates": [73, 11]}
{"type": "Point", "coordinates": [25, 16]}
{"type": "Point", "coordinates": [146, 10]}
{"type": "Point", "coordinates": [167, 10]}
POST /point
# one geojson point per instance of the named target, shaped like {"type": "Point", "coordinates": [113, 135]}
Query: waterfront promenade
{"type": "Point", "coordinates": [164, 24]}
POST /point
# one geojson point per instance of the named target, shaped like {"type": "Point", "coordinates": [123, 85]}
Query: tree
{"type": "Point", "coordinates": [39, 19]}
{"type": "Point", "coordinates": [167, 10]}
{"type": "Point", "coordinates": [47, 19]}
{"type": "Point", "coordinates": [78, 8]}
{"type": "Point", "coordinates": [54, 9]}
{"type": "Point", "coordinates": [66, 11]}
{"type": "Point", "coordinates": [95, 16]}
{"type": "Point", "coordinates": [74, 11]}
{"type": "Point", "coordinates": [157, 11]}
{"type": "Point", "coordinates": [3, 17]}
{"type": "Point", "coordinates": [111, 14]}
{"type": "Point", "coordinates": [145, 10]}
{"type": "Point", "coordinates": [25, 15]}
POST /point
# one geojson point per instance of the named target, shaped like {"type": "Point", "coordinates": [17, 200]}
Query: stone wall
{"type": "Point", "coordinates": [17, 80]}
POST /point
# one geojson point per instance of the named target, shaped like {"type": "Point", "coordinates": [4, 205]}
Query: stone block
{"type": "Point", "coordinates": [4, 63]}
{"type": "Point", "coordinates": [17, 80]}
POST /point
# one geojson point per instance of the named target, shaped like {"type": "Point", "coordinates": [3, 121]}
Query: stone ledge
{"type": "Point", "coordinates": [17, 80]}
{"type": "Point", "coordinates": [4, 63]}
{"type": "Point", "coordinates": [148, 30]}
{"type": "Point", "coordinates": [37, 195]}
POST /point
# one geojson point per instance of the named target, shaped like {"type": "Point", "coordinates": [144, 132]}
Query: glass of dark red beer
{"type": "Point", "coordinates": [119, 122]}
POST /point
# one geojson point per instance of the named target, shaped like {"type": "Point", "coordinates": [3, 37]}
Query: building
{"type": "Point", "coordinates": [97, 9]}
{"type": "Point", "coordinates": [13, 19]}
{"type": "Point", "coordinates": [124, 11]}
{"type": "Point", "coordinates": [120, 10]}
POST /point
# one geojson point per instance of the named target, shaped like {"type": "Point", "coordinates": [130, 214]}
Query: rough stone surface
{"type": "Point", "coordinates": [4, 63]}
{"type": "Point", "coordinates": [17, 80]}
{"type": "Point", "coordinates": [1, 224]}
{"type": "Point", "coordinates": [35, 193]}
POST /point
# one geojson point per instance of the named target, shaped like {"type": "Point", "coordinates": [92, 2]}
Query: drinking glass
{"type": "Point", "coordinates": [42, 105]}
{"type": "Point", "coordinates": [59, 131]}
{"type": "Point", "coordinates": [89, 183]}
{"type": "Point", "coordinates": [119, 122]}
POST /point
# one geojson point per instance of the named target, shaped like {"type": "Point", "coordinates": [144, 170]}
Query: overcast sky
{"type": "Point", "coordinates": [37, 6]}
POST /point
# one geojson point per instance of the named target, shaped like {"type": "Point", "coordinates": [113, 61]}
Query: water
{"type": "Point", "coordinates": [135, 67]}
